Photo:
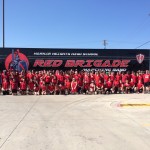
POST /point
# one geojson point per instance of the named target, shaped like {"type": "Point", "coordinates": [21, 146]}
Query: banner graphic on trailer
{"type": "Point", "coordinates": [83, 59]}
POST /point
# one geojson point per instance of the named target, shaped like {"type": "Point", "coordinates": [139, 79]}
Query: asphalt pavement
{"type": "Point", "coordinates": [75, 122]}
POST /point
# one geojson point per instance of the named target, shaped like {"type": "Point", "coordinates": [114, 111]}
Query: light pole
{"type": "Point", "coordinates": [3, 24]}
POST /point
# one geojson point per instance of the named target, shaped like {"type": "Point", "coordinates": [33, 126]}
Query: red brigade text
{"type": "Point", "coordinates": [82, 63]}
{"type": "Point", "coordinates": [97, 63]}
{"type": "Point", "coordinates": [47, 63]}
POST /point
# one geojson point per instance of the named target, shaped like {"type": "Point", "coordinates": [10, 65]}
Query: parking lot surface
{"type": "Point", "coordinates": [75, 122]}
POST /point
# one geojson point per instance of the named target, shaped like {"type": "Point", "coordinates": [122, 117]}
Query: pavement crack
{"type": "Point", "coordinates": [20, 122]}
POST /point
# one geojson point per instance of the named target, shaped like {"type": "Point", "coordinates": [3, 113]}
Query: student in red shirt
{"type": "Point", "coordinates": [80, 86]}
{"type": "Point", "coordinates": [116, 86]}
{"type": "Point", "coordinates": [54, 80]}
{"type": "Point", "coordinates": [76, 76]}
{"type": "Point", "coordinates": [86, 78]}
{"type": "Point", "coordinates": [30, 75]}
{"type": "Point", "coordinates": [36, 89]}
{"type": "Point", "coordinates": [60, 78]}
{"type": "Point", "coordinates": [23, 87]}
{"type": "Point", "coordinates": [4, 75]}
{"type": "Point", "coordinates": [106, 77]}
{"type": "Point", "coordinates": [140, 87]}
{"type": "Point", "coordinates": [96, 77]}
{"type": "Point", "coordinates": [123, 77]}
{"type": "Point", "coordinates": [139, 76]}
{"type": "Point", "coordinates": [134, 77]}
{"type": "Point", "coordinates": [14, 87]}
{"type": "Point", "coordinates": [30, 87]}
{"type": "Point", "coordinates": [43, 88]}
{"type": "Point", "coordinates": [118, 76]}
{"type": "Point", "coordinates": [61, 89]}
{"type": "Point", "coordinates": [74, 86]}
{"type": "Point", "coordinates": [47, 78]}
{"type": "Point", "coordinates": [67, 85]}
{"type": "Point", "coordinates": [146, 79]}
{"type": "Point", "coordinates": [92, 76]}
{"type": "Point", "coordinates": [0, 83]}
{"type": "Point", "coordinates": [85, 87]}
{"type": "Point", "coordinates": [40, 85]}
{"type": "Point", "coordinates": [57, 89]}
{"type": "Point", "coordinates": [108, 87]}
{"type": "Point", "coordinates": [126, 86]}
{"type": "Point", "coordinates": [92, 88]}
{"type": "Point", "coordinates": [112, 76]}
{"type": "Point", "coordinates": [5, 87]}
{"type": "Point", "coordinates": [50, 89]}
{"type": "Point", "coordinates": [99, 87]}
{"type": "Point", "coordinates": [132, 85]}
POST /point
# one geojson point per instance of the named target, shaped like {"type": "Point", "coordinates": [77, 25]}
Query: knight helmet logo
{"type": "Point", "coordinates": [140, 58]}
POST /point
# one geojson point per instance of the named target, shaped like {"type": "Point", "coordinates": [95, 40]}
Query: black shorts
{"type": "Point", "coordinates": [140, 90]}
{"type": "Point", "coordinates": [14, 91]}
{"type": "Point", "coordinates": [6, 92]}
{"type": "Point", "coordinates": [116, 89]}
{"type": "Point", "coordinates": [23, 90]}
{"type": "Point", "coordinates": [46, 84]}
{"type": "Point", "coordinates": [30, 90]}
{"type": "Point", "coordinates": [146, 84]}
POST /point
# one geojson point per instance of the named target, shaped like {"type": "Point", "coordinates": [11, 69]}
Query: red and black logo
{"type": "Point", "coordinates": [140, 58]}
{"type": "Point", "coordinates": [17, 61]}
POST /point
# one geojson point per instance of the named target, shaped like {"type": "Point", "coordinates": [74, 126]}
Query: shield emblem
{"type": "Point", "coordinates": [140, 58]}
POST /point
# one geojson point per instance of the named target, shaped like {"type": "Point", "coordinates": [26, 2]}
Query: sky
{"type": "Point", "coordinates": [76, 23]}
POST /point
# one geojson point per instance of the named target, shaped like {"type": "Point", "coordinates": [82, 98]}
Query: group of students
{"type": "Point", "coordinates": [57, 82]}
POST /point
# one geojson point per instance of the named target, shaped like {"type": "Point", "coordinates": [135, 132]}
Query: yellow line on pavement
{"type": "Point", "coordinates": [134, 105]}
{"type": "Point", "coordinates": [147, 124]}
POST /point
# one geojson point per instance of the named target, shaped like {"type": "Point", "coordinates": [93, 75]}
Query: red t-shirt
{"type": "Point", "coordinates": [67, 84]}
{"type": "Point", "coordinates": [118, 77]}
{"type": "Point", "coordinates": [47, 79]}
{"type": "Point", "coordinates": [23, 85]}
{"type": "Point", "coordinates": [80, 83]}
{"type": "Point", "coordinates": [5, 85]}
{"type": "Point", "coordinates": [40, 84]}
{"type": "Point", "coordinates": [30, 76]}
{"type": "Point", "coordinates": [146, 78]}
{"type": "Point", "coordinates": [14, 86]}
{"type": "Point", "coordinates": [31, 85]}
{"type": "Point", "coordinates": [134, 77]}
{"type": "Point", "coordinates": [116, 83]}
{"type": "Point", "coordinates": [54, 81]}
{"type": "Point", "coordinates": [100, 85]}
{"type": "Point", "coordinates": [112, 77]}
{"type": "Point", "coordinates": [92, 77]}
{"type": "Point", "coordinates": [106, 77]}
{"type": "Point", "coordinates": [126, 85]}
{"type": "Point", "coordinates": [97, 78]}
{"type": "Point", "coordinates": [91, 87]}
{"type": "Point", "coordinates": [139, 85]}
{"type": "Point", "coordinates": [76, 77]}
{"type": "Point", "coordinates": [132, 83]}
{"type": "Point", "coordinates": [140, 77]}
{"type": "Point", "coordinates": [67, 76]}
{"type": "Point", "coordinates": [124, 78]}
{"type": "Point", "coordinates": [86, 78]}
{"type": "Point", "coordinates": [43, 87]}
{"type": "Point", "coordinates": [51, 88]}
{"type": "Point", "coordinates": [108, 84]}
{"type": "Point", "coordinates": [36, 89]}
{"type": "Point", "coordinates": [60, 78]}
{"type": "Point", "coordinates": [74, 85]}
{"type": "Point", "coordinates": [86, 86]}
{"type": "Point", "coordinates": [4, 76]}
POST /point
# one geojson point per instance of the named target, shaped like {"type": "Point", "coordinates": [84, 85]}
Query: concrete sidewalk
{"type": "Point", "coordinates": [75, 122]}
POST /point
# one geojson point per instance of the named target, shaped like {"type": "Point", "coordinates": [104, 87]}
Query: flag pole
{"type": "Point", "coordinates": [3, 24]}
